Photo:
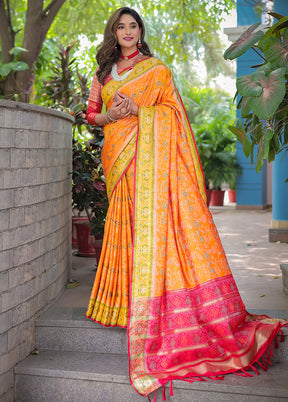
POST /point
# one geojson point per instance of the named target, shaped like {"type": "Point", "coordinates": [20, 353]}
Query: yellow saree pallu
{"type": "Point", "coordinates": [163, 272]}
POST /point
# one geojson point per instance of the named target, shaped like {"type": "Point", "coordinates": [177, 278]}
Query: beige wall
{"type": "Point", "coordinates": [35, 219]}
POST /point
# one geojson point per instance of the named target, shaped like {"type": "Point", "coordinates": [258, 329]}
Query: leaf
{"type": "Point", "coordinates": [244, 42]}
{"type": "Point", "coordinates": [246, 86]}
{"type": "Point", "coordinates": [17, 50]}
{"type": "Point", "coordinates": [72, 284]}
{"type": "Point", "coordinates": [272, 95]}
{"type": "Point", "coordinates": [285, 35]}
{"type": "Point", "coordinates": [274, 147]}
{"type": "Point", "coordinates": [242, 138]}
{"type": "Point", "coordinates": [35, 352]}
{"type": "Point", "coordinates": [263, 148]}
{"type": "Point", "coordinates": [19, 66]}
{"type": "Point", "coordinates": [272, 30]}
{"type": "Point", "coordinates": [276, 52]}
{"type": "Point", "coordinates": [282, 26]}
{"type": "Point", "coordinates": [262, 296]}
{"type": "Point", "coordinates": [5, 69]}
{"type": "Point", "coordinates": [260, 275]}
{"type": "Point", "coordinates": [276, 15]}
{"type": "Point", "coordinates": [245, 108]}
{"type": "Point", "coordinates": [266, 67]}
{"type": "Point", "coordinates": [276, 277]}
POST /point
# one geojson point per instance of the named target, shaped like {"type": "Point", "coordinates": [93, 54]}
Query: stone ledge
{"type": "Point", "coordinates": [35, 108]}
{"type": "Point", "coordinates": [278, 235]}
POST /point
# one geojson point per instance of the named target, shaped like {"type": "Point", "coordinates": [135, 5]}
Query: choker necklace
{"type": "Point", "coordinates": [130, 55]}
{"type": "Point", "coordinates": [122, 77]}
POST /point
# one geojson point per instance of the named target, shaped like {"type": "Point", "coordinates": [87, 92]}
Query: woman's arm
{"type": "Point", "coordinates": [95, 104]}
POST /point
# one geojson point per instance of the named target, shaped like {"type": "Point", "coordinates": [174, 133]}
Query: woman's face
{"type": "Point", "coordinates": [128, 32]}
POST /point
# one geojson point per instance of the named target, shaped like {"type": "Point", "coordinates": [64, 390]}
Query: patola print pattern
{"type": "Point", "coordinates": [163, 272]}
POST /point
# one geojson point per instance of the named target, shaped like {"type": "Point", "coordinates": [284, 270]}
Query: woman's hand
{"type": "Point", "coordinates": [119, 109]}
{"type": "Point", "coordinates": [123, 106]}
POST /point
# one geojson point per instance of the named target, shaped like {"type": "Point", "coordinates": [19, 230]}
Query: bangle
{"type": "Point", "coordinates": [109, 116]}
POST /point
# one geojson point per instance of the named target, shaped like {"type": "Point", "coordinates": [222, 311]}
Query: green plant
{"type": "Point", "coordinates": [88, 183]}
{"type": "Point", "coordinates": [218, 158]}
{"type": "Point", "coordinates": [67, 90]}
{"type": "Point", "coordinates": [210, 112]}
{"type": "Point", "coordinates": [14, 65]}
{"type": "Point", "coordinates": [60, 87]}
{"type": "Point", "coordinates": [263, 93]}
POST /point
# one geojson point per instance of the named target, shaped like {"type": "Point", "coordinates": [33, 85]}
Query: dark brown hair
{"type": "Point", "coordinates": [107, 55]}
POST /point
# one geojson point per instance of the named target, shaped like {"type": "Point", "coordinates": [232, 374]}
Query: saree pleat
{"type": "Point", "coordinates": [110, 295]}
{"type": "Point", "coordinates": [163, 272]}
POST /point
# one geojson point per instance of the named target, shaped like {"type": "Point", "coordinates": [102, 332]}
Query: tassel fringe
{"type": "Point", "coordinates": [164, 395]}
{"type": "Point", "coordinates": [255, 369]}
{"type": "Point", "coordinates": [171, 389]}
{"type": "Point", "coordinates": [276, 343]}
{"type": "Point", "coordinates": [243, 373]}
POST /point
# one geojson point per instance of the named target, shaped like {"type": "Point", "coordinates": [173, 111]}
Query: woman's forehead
{"type": "Point", "coordinates": [127, 19]}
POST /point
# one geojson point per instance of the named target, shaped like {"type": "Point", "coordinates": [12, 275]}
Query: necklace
{"type": "Point", "coordinates": [130, 55]}
{"type": "Point", "coordinates": [117, 77]}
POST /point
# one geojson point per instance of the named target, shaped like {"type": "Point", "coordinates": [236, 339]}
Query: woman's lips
{"type": "Point", "coordinates": [128, 39]}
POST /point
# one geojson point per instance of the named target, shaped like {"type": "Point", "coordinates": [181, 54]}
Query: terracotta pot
{"type": "Point", "coordinates": [84, 239]}
{"type": "Point", "coordinates": [208, 195]}
{"type": "Point", "coordinates": [232, 195]}
{"type": "Point", "coordinates": [74, 231]}
{"type": "Point", "coordinates": [217, 198]}
{"type": "Point", "coordinates": [98, 248]}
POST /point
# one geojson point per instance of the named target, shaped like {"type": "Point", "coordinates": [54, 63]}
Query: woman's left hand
{"type": "Point", "coordinates": [128, 103]}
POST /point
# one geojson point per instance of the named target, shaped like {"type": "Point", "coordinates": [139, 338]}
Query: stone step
{"type": "Point", "coordinates": [83, 377]}
{"type": "Point", "coordinates": [67, 329]}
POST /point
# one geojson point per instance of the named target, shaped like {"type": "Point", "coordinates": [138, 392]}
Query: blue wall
{"type": "Point", "coordinates": [280, 165]}
{"type": "Point", "coordinates": [245, 13]}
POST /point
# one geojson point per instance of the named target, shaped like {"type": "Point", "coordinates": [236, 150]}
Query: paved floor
{"type": "Point", "coordinates": [255, 263]}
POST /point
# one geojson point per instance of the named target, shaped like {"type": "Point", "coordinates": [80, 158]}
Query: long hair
{"type": "Point", "coordinates": [107, 55]}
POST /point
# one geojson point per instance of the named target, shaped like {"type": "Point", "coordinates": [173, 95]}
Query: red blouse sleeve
{"type": "Point", "coordinates": [95, 101]}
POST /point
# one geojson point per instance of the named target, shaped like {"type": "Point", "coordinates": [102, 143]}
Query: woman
{"type": "Point", "coordinates": [163, 273]}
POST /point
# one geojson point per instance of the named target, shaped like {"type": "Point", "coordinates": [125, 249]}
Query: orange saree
{"type": "Point", "coordinates": [163, 272]}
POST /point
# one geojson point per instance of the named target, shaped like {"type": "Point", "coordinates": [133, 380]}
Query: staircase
{"type": "Point", "coordinates": [80, 361]}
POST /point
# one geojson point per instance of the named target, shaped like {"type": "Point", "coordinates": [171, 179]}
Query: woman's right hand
{"type": "Point", "coordinates": [120, 108]}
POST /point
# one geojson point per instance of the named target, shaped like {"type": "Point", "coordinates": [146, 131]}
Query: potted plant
{"type": "Point", "coordinates": [210, 112]}
{"type": "Point", "coordinates": [232, 189]}
{"type": "Point", "coordinates": [89, 190]}
{"type": "Point", "coordinates": [263, 94]}
{"type": "Point", "coordinates": [218, 156]}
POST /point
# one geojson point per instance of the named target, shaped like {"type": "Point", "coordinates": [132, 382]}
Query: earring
{"type": "Point", "coordinates": [139, 44]}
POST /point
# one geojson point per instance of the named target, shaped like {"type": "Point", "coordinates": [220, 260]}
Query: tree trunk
{"type": "Point", "coordinates": [38, 22]}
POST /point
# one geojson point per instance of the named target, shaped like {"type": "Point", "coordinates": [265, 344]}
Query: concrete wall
{"type": "Point", "coordinates": [35, 224]}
